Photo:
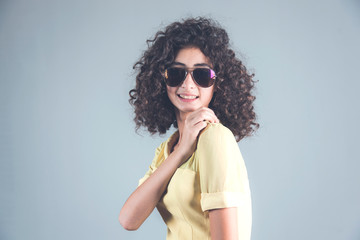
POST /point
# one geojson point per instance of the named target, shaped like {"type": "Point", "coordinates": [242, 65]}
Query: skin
{"type": "Point", "coordinates": [191, 103]}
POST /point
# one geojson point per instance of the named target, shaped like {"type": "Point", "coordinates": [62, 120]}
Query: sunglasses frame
{"type": "Point", "coordinates": [187, 71]}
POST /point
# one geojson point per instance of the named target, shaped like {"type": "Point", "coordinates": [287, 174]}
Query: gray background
{"type": "Point", "coordinates": [69, 153]}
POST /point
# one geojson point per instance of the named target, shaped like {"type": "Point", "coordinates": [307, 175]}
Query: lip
{"type": "Point", "coordinates": [186, 97]}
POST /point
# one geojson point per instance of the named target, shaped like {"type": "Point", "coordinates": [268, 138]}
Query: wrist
{"type": "Point", "coordinates": [182, 154]}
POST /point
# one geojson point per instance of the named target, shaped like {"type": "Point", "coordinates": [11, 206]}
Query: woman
{"type": "Point", "coordinates": [191, 79]}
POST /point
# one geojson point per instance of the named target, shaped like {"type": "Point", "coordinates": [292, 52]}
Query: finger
{"type": "Point", "coordinates": [199, 126]}
{"type": "Point", "coordinates": [203, 116]}
{"type": "Point", "coordinates": [211, 112]}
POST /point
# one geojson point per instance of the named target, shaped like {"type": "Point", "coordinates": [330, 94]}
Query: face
{"type": "Point", "coordinates": [189, 97]}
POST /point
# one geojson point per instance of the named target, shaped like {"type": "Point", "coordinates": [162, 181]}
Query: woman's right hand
{"type": "Point", "coordinates": [144, 199]}
{"type": "Point", "coordinates": [191, 127]}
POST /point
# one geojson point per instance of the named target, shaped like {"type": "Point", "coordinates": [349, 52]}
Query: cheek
{"type": "Point", "coordinates": [171, 92]}
{"type": "Point", "coordinates": [168, 90]}
{"type": "Point", "coordinates": [210, 94]}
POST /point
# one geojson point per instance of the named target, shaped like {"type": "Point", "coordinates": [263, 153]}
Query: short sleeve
{"type": "Point", "coordinates": [223, 177]}
{"type": "Point", "coordinates": [155, 162]}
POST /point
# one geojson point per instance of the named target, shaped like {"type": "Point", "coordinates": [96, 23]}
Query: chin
{"type": "Point", "coordinates": [190, 109]}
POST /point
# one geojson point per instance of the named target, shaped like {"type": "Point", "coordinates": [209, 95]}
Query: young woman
{"type": "Point", "coordinates": [191, 79]}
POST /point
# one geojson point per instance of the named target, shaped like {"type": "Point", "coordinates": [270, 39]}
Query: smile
{"type": "Point", "coordinates": [187, 96]}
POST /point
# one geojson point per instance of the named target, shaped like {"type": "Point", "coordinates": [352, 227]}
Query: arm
{"type": "Point", "coordinates": [224, 184]}
{"type": "Point", "coordinates": [144, 199]}
{"type": "Point", "coordinates": [223, 224]}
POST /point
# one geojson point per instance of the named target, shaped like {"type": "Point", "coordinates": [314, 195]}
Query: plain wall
{"type": "Point", "coordinates": [69, 152]}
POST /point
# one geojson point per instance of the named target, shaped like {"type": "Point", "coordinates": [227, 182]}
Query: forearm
{"type": "Point", "coordinates": [143, 200]}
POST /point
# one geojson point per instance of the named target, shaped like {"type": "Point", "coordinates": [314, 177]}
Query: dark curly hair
{"type": "Point", "coordinates": [232, 101]}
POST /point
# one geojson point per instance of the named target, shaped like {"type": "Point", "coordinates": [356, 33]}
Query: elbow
{"type": "Point", "coordinates": [127, 225]}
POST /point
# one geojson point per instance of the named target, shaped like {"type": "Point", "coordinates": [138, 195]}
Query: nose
{"type": "Point", "coordinates": [188, 82]}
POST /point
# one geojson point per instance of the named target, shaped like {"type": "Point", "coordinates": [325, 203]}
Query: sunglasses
{"type": "Point", "coordinates": [203, 77]}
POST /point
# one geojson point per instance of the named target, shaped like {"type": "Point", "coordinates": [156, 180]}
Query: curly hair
{"type": "Point", "coordinates": [232, 101]}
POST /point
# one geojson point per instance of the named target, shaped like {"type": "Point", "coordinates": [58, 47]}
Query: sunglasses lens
{"type": "Point", "coordinates": [204, 77]}
{"type": "Point", "coordinates": [174, 76]}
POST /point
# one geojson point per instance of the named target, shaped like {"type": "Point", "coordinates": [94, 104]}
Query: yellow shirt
{"type": "Point", "coordinates": [213, 177]}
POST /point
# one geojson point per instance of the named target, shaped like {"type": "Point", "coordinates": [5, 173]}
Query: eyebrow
{"type": "Point", "coordinates": [195, 65]}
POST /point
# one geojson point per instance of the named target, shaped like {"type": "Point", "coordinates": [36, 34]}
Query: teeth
{"type": "Point", "coordinates": [187, 97]}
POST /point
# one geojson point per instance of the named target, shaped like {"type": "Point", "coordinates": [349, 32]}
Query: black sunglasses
{"type": "Point", "coordinates": [203, 77]}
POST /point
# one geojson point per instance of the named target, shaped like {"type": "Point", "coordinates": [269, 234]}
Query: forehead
{"type": "Point", "coordinates": [191, 56]}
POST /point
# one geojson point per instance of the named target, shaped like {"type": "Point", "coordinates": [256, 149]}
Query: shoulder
{"type": "Point", "coordinates": [160, 148]}
{"type": "Point", "coordinates": [214, 131]}
{"type": "Point", "coordinates": [162, 151]}
{"type": "Point", "coordinates": [217, 150]}
{"type": "Point", "coordinates": [215, 140]}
